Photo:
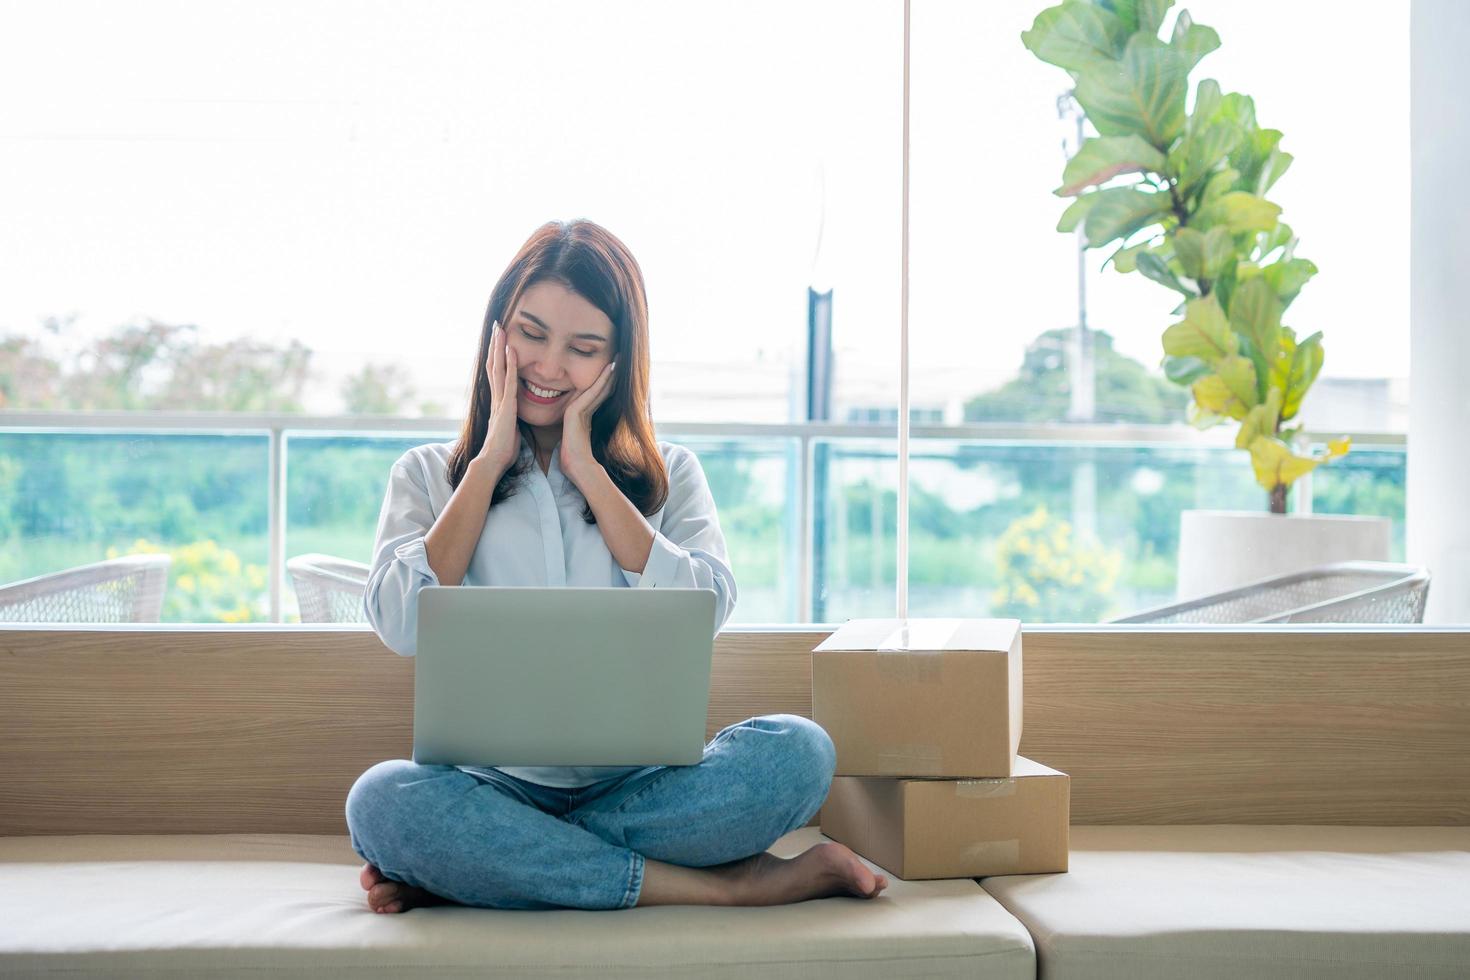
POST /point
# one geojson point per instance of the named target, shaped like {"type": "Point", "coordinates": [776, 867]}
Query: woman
{"type": "Point", "coordinates": [556, 479]}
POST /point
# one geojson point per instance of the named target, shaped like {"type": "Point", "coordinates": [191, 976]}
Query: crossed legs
{"type": "Point", "coordinates": [676, 835]}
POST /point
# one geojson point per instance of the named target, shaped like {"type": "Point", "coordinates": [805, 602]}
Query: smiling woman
{"type": "Point", "coordinates": [612, 507]}
{"type": "Point", "coordinates": [575, 307]}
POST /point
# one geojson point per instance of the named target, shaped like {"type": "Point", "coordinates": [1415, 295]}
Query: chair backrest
{"type": "Point", "coordinates": [1342, 592]}
{"type": "Point", "coordinates": [119, 590]}
{"type": "Point", "coordinates": [329, 589]}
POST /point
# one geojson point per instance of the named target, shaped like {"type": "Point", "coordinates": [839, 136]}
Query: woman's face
{"type": "Point", "coordinates": [562, 343]}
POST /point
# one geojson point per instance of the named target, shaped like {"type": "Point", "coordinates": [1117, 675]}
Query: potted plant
{"type": "Point", "coordinates": [1180, 195]}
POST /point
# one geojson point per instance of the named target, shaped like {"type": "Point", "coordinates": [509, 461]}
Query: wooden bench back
{"type": "Point", "coordinates": [263, 730]}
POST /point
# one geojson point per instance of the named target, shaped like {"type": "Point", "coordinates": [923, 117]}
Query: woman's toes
{"type": "Point", "coordinates": [369, 877]}
{"type": "Point", "coordinates": [847, 866]}
{"type": "Point", "coordinates": [385, 893]}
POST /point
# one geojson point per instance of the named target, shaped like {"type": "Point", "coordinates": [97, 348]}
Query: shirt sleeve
{"type": "Point", "coordinates": [689, 548]}
{"type": "Point", "coordinates": [400, 565]}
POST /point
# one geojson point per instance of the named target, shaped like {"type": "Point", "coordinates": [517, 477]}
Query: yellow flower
{"type": "Point", "coordinates": [239, 614]}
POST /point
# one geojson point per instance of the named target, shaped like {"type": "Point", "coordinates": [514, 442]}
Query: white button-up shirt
{"type": "Point", "coordinates": [537, 537]}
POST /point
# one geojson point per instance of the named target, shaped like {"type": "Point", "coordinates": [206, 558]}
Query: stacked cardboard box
{"type": "Point", "coordinates": [926, 718]}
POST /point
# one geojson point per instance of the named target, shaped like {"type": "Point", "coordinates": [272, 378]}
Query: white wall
{"type": "Point", "coordinates": [1438, 509]}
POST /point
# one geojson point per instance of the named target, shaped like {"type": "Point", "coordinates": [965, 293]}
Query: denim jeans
{"type": "Point", "coordinates": [503, 842]}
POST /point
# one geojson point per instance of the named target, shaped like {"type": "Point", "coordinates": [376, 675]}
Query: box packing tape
{"type": "Point", "coordinates": [922, 634]}
{"type": "Point", "coordinates": [912, 760]}
{"type": "Point", "coordinates": [979, 789]}
{"type": "Point", "coordinates": [908, 666]}
{"type": "Point", "coordinates": [1003, 853]}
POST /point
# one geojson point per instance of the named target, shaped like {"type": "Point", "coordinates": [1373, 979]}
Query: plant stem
{"type": "Point", "coordinates": [1278, 498]}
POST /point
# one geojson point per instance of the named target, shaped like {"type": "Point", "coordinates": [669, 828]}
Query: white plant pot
{"type": "Point", "coordinates": [1221, 549]}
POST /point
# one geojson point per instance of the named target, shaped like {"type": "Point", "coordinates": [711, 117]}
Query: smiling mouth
{"type": "Point", "coordinates": [543, 395]}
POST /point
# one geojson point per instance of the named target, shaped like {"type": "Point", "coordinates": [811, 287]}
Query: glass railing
{"type": "Point", "coordinates": [1036, 522]}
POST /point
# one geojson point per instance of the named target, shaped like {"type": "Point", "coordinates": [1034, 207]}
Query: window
{"type": "Point", "coordinates": [218, 212]}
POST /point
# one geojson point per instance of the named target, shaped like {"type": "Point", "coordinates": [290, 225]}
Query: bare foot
{"type": "Point", "coordinates": [387, 895]}
{"type": "Point", "coordinates": [823, 870]}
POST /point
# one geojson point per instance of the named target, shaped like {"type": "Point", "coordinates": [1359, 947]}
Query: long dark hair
{"type": "Point", "coordinates": [591, 262]}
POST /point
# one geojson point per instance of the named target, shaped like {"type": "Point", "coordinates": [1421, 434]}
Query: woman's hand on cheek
{"type": "Point", "coordinates": [502, 440]}
{"type": "Point", "coordinates": [576, 427]}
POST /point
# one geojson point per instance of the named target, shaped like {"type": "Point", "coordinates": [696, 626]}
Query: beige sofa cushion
{"type": "Point", "coordinates": [1251, 901]}
{"type": "Point", "coordinates": [237, 905]}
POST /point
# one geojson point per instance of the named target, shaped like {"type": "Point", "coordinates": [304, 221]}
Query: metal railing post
{"type": "Point", "coordinates": [276, 520]}
{"type": "Point", "coordinates": [805, 543]}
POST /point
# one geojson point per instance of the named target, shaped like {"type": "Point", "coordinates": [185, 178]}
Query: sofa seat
{"type": "Point", "coordinates": [1250, 901]}
{"type": "Point", "coordinates": [291, 906]}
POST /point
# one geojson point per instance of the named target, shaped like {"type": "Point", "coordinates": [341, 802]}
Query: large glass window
{"type": "Point", "coordinates": [247, 252]}
{"type": "Point", "coordinates": [1020, 331]}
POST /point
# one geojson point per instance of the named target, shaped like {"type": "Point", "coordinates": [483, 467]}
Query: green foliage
{"type": "Point", "coordinates": [207, 583]}
{"type": "Point", "coordinates": [1195, 219]}
{"type": "Point", "coordinates": [28, 377]}
{"type": "Point", "coordinates": [157, 366]}
{"type": "Point", "coordinates": [377, 389]}
{"type": "Point", "coordinates": [1041, 390]}
{"type": "Point", "coordinates": [1048, 575]}
{"type": "Point", "coordinates": [65, 498]}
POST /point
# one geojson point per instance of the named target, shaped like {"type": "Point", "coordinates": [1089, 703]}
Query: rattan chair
{"type": "Point", "coordinates": [329, 589]}
{"type": "Point", "coordinates": [120, 590]}
{"type": "Point", "coordinates": [1343, 592]}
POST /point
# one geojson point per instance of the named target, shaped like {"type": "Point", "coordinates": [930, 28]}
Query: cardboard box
{"type": "Point", "coordinates": [946, 828]}
{"type": "Point", "coordinates": [921, 697]}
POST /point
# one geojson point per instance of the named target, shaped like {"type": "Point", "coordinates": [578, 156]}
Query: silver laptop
{"type": "Point", "coordinates": [520, 676]}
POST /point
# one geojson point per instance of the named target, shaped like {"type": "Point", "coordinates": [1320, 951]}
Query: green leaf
{"type": "Point", "coordinates": [1276, 165]}
{"type": "Point", "coordinates": [1185, 370]}
{"type": "Point", "coordinates": [1288, 276]}
{"type": "Point", "coordinates": [1239, 109]}
{"type": "Point", "coordinates": [1207, 138]}
{"type": "Point", "coordinates": [1203, 333]}
{"type": "Point", "coordinates": [1076, 36]}
{"type": "Point", "coordinates": [1217, 185]}
{"type": "Point", "coordinates": [1076, 211]}
{"type": "Point", "coordinates": [1275, 464]}
{"type": "Point", "coordinates": [1206, 102]}
{"type": "Point", "coordinates": [1140, 15]}
{"type": "Point", "coordinates": [1192, 41]}
{"type": "Point", "coordinates": [1269, 241]}
{"type": "Point", "coordinates": [1231, 391]}
{"type": "Point", "coordinates": [1305, 364]}
{"type": "Point", "coordinates": [1255, 313]}
{"type": "Point", "coordinates": [1102, 158]}
{"type": "Point", "coordinates": [1194, 157]}
{"type": "Point", "coordinates": [1223, 287]}
{"type": "Point", "coordinates": [1259, 161]}
{"type": "Point", "coordinates": [1262, 365]}
{"type": "Point", "coordinates": [1261, 420]}
{"type": "Point", "coordinates": [1126, 259]}
{"type": "Point", "coordinates": [1158, 270]}
{"type": "Point", "coordinates": [1143, 94]}
{"type": "Point", "coordinates": [1239, 375]}
{"type": "Point", "coordinates": [1203, 255]}
{"type": "Point", "coordinates": [1118, 212]}
{"type": "Point", "coordinates": [1241, 211]}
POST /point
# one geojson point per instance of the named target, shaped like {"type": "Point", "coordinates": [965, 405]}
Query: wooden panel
{"type": "Point", "coordinates": [253, 729]}
{"type": "Point", "coordinates": [1232, 727]}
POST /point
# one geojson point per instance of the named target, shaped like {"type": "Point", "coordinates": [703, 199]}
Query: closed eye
{"type": "Point", "coordinates": [538, 338]}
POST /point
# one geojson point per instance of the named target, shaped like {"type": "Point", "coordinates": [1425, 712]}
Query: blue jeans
{"type": "Point", "coordinates": [506, 843]}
